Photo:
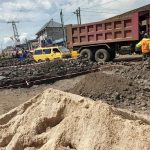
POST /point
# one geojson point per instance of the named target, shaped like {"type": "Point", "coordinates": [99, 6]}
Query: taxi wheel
{"type": "Point", "coordinates": [39, 60]}
{"type": "Point", "coordinates": [47, 60]}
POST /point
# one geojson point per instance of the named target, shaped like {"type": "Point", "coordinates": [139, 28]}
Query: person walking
{"type": "Point", "coordinates": [144, 45]}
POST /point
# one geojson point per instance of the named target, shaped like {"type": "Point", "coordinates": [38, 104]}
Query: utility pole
{"type": "Point", "coordinates": [63, 28]}
{"type": "Point", "coordinates": [79, 10]}
{"type": "Point", "coordinates": [52, 29]}
{"type": "Point", "coordinates": [27, 43]}
{"type": "Point", "coordinates": [15, 31]}
{"type": "Point", "coordinates": [78, 13]}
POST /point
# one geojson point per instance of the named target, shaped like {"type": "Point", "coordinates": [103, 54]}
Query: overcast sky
{"type": "Point", "coordinates": [32, 14]}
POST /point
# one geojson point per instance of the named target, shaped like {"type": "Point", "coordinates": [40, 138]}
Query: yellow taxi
{"type": "Point", "coordinates": [51, 53]}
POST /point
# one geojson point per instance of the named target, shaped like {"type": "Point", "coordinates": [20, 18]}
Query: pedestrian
{"type": "Point", "coordinates": [142, 34]}
{"type": "Point", "coordinates": [17, 54]}
{"type": "Point", "coordinates": [144, 45]}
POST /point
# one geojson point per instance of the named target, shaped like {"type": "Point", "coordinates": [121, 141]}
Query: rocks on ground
{"type": "Point", "coordinates": [30, 73]}
{"type": "Point", "coordinates": [119, 86]}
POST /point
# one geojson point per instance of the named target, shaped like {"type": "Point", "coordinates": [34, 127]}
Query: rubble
{"type": "Point", "coordinates": [119, 86]}
{"type": "Point", "coordinates": [30, 73]}
{"type": "Point", "coordinates": [7, 62]}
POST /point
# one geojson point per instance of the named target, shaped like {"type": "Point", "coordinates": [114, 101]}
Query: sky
{"type": "Point", "coordinates": [33, 14]}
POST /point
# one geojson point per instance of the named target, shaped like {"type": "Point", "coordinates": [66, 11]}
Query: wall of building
{"type": "Point", "coordinates": [54, 33]}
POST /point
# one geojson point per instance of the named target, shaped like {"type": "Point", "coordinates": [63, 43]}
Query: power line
{"type": "Point", "coordinates": [99, 12]}
{"type": "Point", "coordinates": [97, 9]}
{"type": "Point", "coordinates": [78, 11]}
{"type": "Point", "coordinates": [91, 13]}
{"type": "Point", "coordinates": [69, 18]}
{"type": "Point", "coordinates": [100, 4]}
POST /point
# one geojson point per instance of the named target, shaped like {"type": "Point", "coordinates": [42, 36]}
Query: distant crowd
{"type": "Point", "coordinates": [19, 54]}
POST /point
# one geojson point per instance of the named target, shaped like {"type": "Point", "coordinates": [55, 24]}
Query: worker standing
{"type": "Point", "coordinates": [144, 45]}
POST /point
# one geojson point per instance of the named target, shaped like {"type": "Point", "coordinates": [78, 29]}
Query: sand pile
{"type": "Point", "coordinates": [57, 120]}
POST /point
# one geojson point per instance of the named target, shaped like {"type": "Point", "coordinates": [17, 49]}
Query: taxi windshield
{"type": "Point", "coordinates": [38, 52]}
{"type": "Point", "coordinates": [64, 49]}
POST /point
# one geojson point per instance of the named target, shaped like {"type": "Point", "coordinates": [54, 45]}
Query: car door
{"type": "Point", "coordinates": [37, 55]}
{"type": "Point", "coordinates": [47, 55]}
{"type": "Point", "coordinates": [56, 53]}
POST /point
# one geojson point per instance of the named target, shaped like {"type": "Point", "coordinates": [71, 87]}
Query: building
{"type": "Point", "coordinates": [8, 51]}
{"type": "Point", "coordinates": [32, 44]}
{"type": "Point", "coordinates": [50, 32]}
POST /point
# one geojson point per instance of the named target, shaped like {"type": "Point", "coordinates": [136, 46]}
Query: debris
{"type": "Point", "coordinates": [118, 89]}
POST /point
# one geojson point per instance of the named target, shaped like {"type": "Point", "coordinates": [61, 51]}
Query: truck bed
{"type": "Point", "coordinates": [108, 31]}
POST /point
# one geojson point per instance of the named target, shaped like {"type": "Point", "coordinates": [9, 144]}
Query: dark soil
{"type": "Point", "coordinates": [30, 73]}
{"type": "Point", "coordinates": [122, 86]}
{"type": "Point", "coordinates": [7, 62]}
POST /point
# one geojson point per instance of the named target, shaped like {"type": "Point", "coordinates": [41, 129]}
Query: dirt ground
{"type": "Point", "coordinates": [11, 98]}
{"type": "Point", "coordinates": [114, 90]}
{"type": "Point", "coordinates": [123, 84]}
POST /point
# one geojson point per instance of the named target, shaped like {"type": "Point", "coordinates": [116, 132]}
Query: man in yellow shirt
{"type": "Point", "coordinates": [144, 45]}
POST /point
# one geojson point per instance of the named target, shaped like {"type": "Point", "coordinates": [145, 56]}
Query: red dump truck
{"type": "Point", "coordinates": [101, 40]}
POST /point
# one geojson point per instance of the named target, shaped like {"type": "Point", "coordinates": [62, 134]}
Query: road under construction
{"type": "Point", "coordinates": [104, 102]}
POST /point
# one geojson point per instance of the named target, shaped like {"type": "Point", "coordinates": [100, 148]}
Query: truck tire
{"type": "Point", "coordinates": [86, 54]}
{"type": "Point", "coordinates": [102, 55]}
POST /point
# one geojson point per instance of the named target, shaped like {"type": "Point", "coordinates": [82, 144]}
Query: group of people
{"type": "Point", "coordinates": [144, 45]}
{"type": "Point", "coordinates": [20, 54]}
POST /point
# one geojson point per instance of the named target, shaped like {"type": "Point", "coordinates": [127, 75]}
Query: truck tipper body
{"type": "Point", "coordinates": [101, 40]}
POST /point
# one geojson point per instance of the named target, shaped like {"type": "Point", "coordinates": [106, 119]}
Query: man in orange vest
{"type": "Point", "coordinates": [144, 45]}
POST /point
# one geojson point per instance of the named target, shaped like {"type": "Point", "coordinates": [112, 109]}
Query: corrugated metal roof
{"type": "Point", "coordinates": [50, 24]}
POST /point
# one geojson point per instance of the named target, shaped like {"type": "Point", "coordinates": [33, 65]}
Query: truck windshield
{"type": "Point", "coordinates": [64, 49]}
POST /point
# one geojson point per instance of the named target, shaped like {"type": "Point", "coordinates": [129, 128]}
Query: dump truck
{"type": "Point", "coordinates": [101, 40]}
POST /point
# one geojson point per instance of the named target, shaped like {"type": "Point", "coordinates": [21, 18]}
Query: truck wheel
{"type": "Point", "coordinates": [86, 54]}
{"type": "Point", "coordinates": [102, 55]}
